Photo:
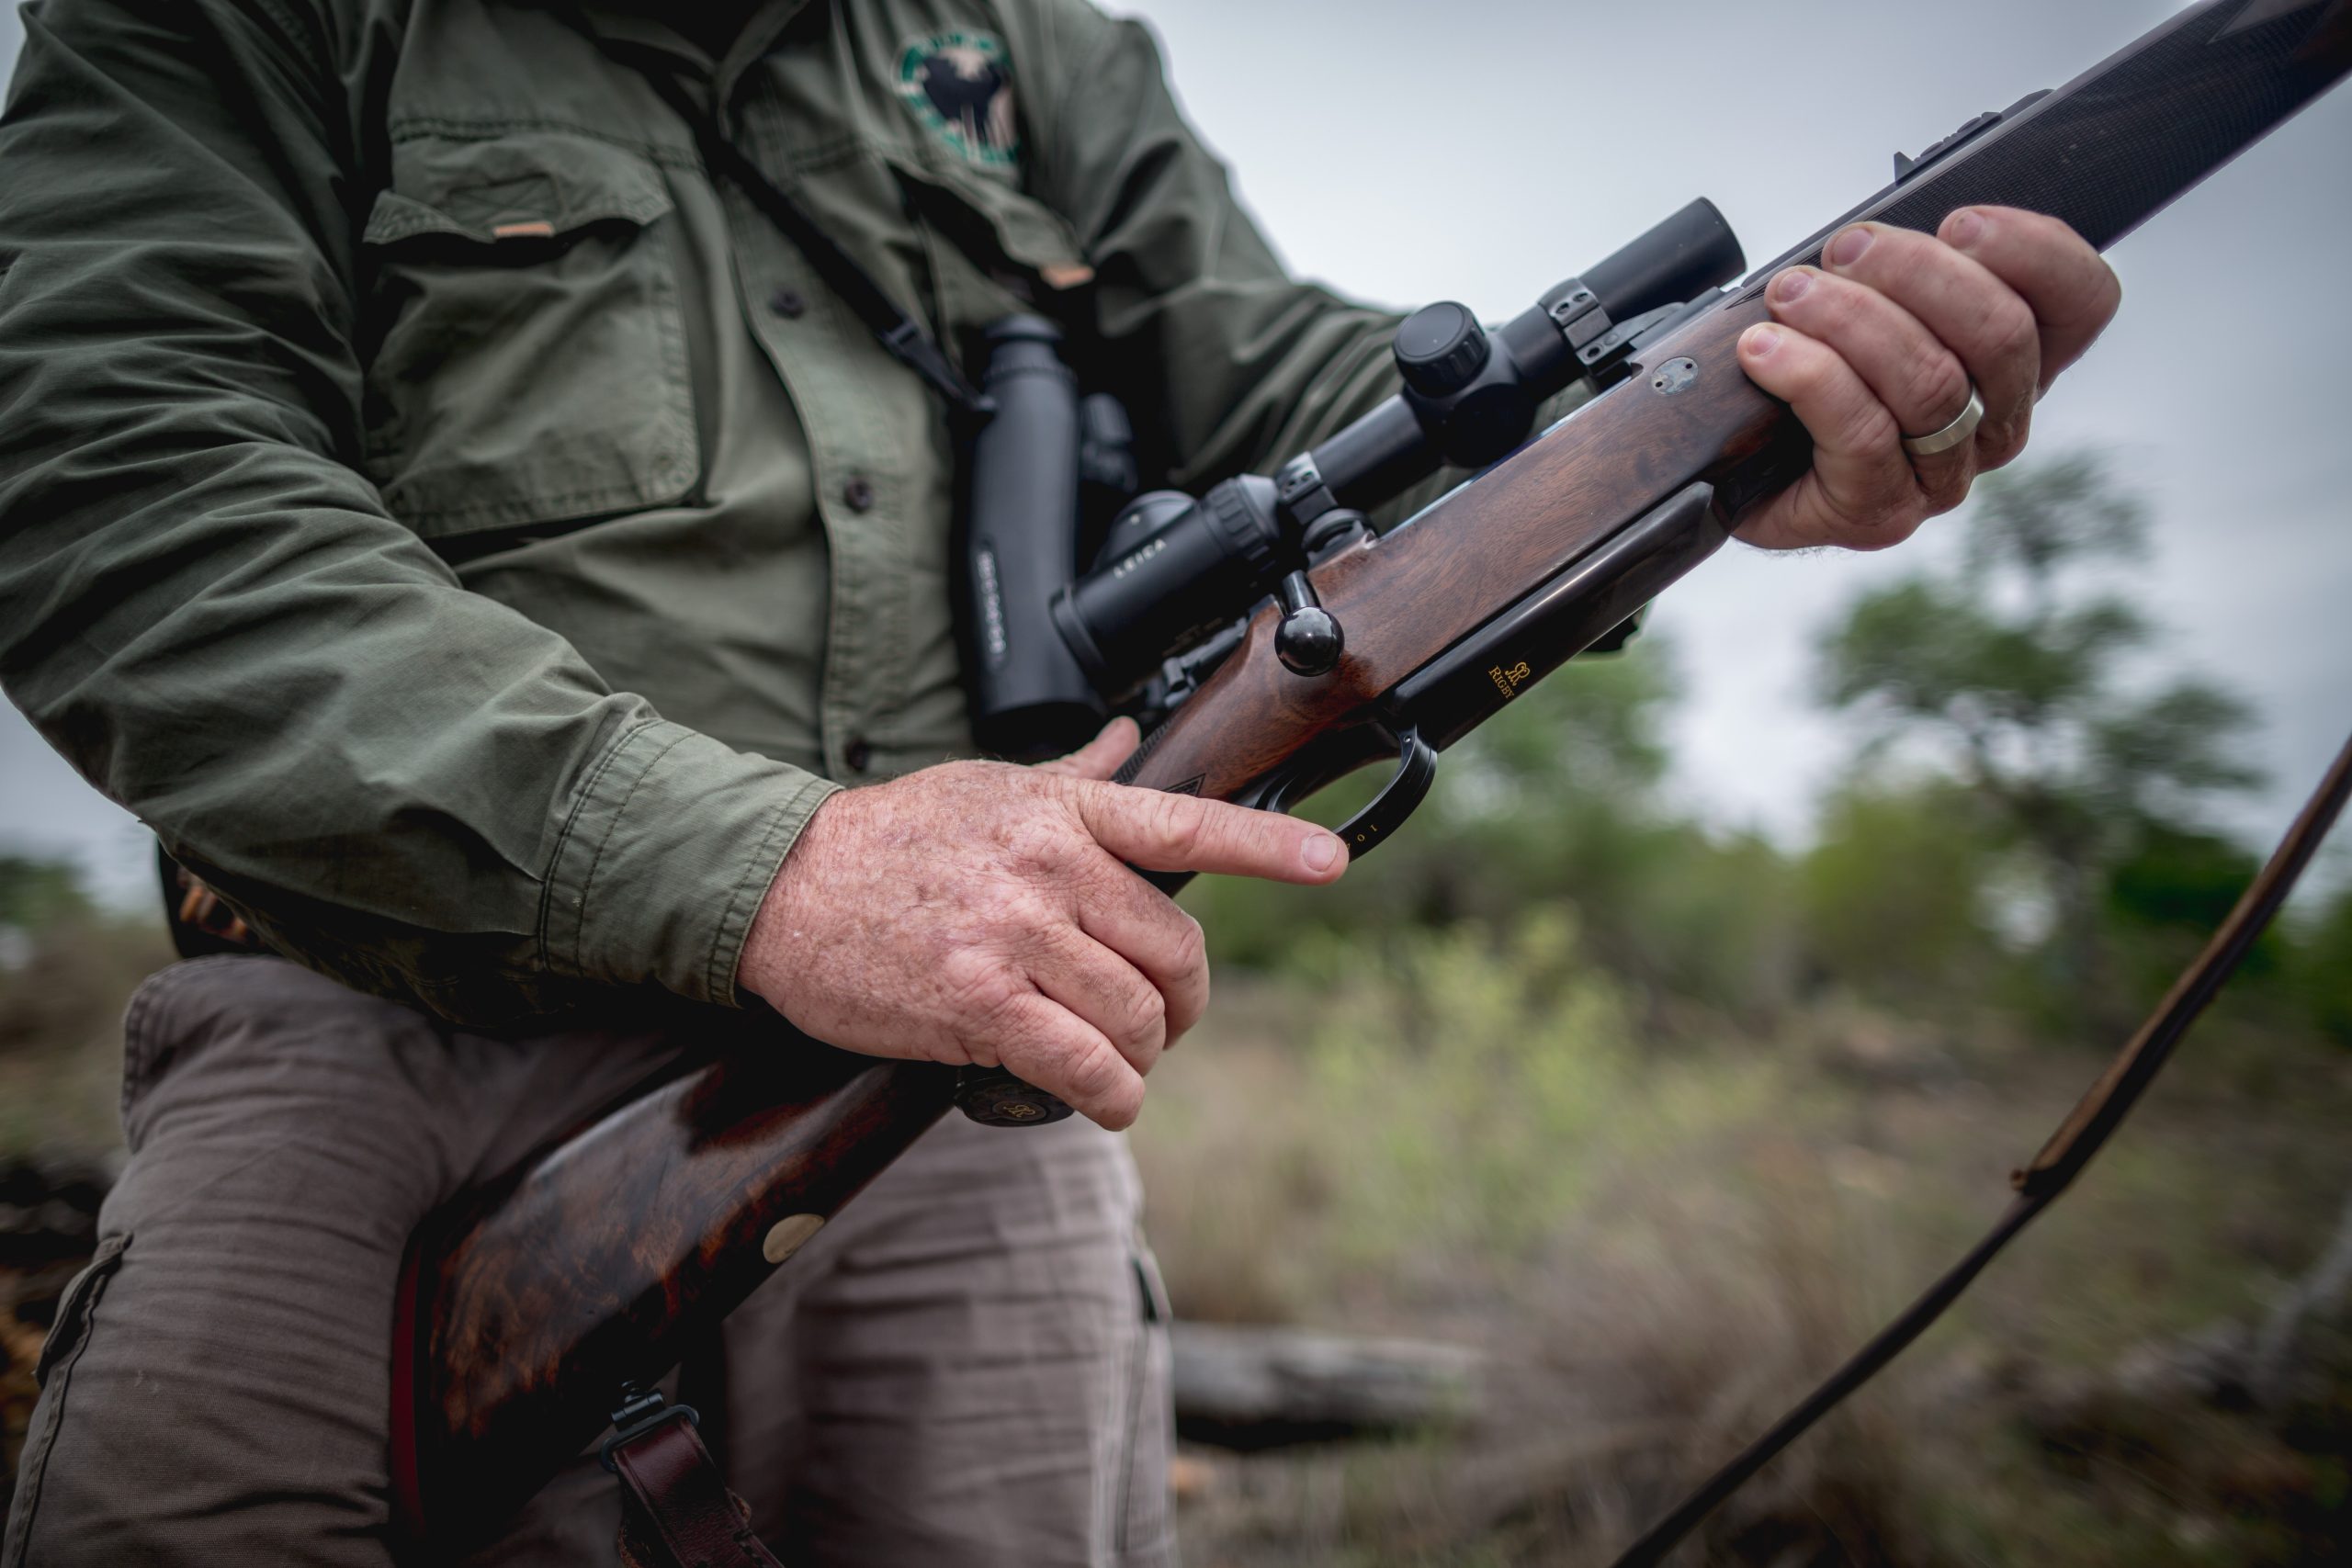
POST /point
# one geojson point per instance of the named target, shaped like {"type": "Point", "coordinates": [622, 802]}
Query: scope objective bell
{"type": "Point", "coordinates": [1158, 585]}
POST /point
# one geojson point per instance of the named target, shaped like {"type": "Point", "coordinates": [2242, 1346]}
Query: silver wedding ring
{"type": "Point", "coordinates": [1952, 435]}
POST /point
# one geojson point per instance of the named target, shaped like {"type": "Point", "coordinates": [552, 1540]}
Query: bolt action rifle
{"type": "Point", "coordinates": [1273, 642]}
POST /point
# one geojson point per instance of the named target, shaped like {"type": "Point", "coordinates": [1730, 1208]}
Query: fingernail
{"type": "Point", "coordinates": [1848, 248]}
{"type": "Point", "coordinates": [1759, 341]}
{"type": "Point", "coordinates": [1320, 851]}
{"type": "Point", "coordinates": [1966, 228]}
{"type": "Point", "coordinates": [1791, 285]}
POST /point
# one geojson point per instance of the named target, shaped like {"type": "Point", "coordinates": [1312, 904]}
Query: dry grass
{"type": "Point", "coordinates": [1664, 1234]}
{"type": "Point", "coordinates": [1664, 1242]}
{"type": "Point", "coordinates": [61, 1033]}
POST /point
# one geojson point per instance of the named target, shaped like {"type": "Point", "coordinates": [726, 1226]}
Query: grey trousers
{"type": "Point", "coordinates": [968, 1366]}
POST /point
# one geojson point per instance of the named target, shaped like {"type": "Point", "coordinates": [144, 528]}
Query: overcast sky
{"type": "Point", "coordinates": [1482, 149]}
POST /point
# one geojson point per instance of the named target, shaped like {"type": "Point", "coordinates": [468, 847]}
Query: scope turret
{"type": "Point", "coordinates": [1439, 349]}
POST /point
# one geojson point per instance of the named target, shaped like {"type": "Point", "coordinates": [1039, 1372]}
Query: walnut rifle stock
{"type": "Point", "coordinates": [1441, 583]}
{"type": "Point", "coordinates": [524, 1310]}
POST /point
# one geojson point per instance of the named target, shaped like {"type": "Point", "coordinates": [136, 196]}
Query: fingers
{"type": "Point", "coordinates": [1919, 380]}
{"type": "Point", "coordinates": [2071, 289]}
{"type": "Point", "coordinates": [1046, 1045]}
{"type": "Point", "coordinates": [1861, 491]}
{"type": "Point", "coordinates": [1883, 341]}
{"type": "Point", "coordinates": [1104, 991]}
{"type": "Point", "coordinates": [1101, 757]}
{"type": "Point", "coordinates": [1143, 926]}
{"type": "Point", "coordinates": [1975, 314]}
{"type": "Point", "coordinates": [1155, 830]}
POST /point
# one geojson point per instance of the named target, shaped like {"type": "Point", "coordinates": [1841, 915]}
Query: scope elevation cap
{"type": "Point", "coordinates": [1441, 348]}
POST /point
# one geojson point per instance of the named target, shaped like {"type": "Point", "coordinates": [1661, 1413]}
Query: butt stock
{"type": "Point", "coordinates": [522, 1311]}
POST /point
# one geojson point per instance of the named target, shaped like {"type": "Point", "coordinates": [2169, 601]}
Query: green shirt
{"type": "Point", "coordinates": [471, 538]}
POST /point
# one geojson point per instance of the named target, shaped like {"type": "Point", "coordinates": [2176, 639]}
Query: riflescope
{"type": "Point", "coordinates": [1174, 569]}
{"type": "Point", "coordinates": [1049, 652]}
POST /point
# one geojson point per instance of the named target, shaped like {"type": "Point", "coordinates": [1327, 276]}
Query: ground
{"type": "Point", "coordinates": [1660, 1225]}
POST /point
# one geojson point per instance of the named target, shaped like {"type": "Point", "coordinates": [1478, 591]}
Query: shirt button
{"type": "Point", "coordinates": [858, 493]}
{"type": "Point", "coordinates": [857, 754]}
{"type": "Point", "coordinates": [787, 303]}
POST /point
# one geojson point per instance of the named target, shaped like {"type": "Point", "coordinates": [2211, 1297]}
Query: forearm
{"type": "Point", "coordinates": [211, 613]}
{"type": "Point", "coordinates": [401, 782]}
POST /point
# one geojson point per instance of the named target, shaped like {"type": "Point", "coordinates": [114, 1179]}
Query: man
{"type": "Point", "coordinates": [480, 544]}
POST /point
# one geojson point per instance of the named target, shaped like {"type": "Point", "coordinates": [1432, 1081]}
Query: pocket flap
{"type": "Point", "coordinates": [534, 186]}
{"type": "Point", "coordinates": [530, 348]}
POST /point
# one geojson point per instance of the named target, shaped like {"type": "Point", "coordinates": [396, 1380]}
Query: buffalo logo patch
{"type": "Point", "coordinates": [960, 86]}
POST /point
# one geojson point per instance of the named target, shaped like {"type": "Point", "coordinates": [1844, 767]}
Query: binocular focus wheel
{"type": "Point", "coordinates": [994, 1098]}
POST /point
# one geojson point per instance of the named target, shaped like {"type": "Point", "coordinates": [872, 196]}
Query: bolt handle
{"type": "Point", "coordinates": [1308, 640]}
{"type": "Point", "coordinates": [994, 1098]}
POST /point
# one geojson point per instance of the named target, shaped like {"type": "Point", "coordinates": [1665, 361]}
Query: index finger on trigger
{"type": "Point", "coordinates": [1156, 831]}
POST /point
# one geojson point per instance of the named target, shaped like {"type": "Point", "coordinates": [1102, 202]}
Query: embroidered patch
{"type": "Point", "coordinates": [959, 85]}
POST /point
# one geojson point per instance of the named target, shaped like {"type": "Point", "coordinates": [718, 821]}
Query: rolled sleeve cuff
{"type": "Point", "coordinates": [670, 848]}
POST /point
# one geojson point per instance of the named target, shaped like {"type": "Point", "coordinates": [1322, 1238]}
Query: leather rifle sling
{"type": "Point", "coordinates": [676, 1511]}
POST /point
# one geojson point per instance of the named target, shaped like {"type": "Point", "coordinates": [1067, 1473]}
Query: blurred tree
{"type": "Point", "coordinates": [67, 965]}
{"type": "Point", "coordinates": [2166, 895]}
{"type": "Point", "coordinates": [1896, 891]}
{"type": "Point", "coordinates": [2324, 967]}
{"type": "Point", "coordinates": [2014, 676]}
{"type": "Point", "coordinates": [37, 893]}
{"type": "Point", "coordinates": [1560, 799]}
{"type": "Point", "coordinates": [1553, 781]}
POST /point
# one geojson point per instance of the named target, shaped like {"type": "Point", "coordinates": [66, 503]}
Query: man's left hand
{"type": "Point", "coordinates": [1882, 340]}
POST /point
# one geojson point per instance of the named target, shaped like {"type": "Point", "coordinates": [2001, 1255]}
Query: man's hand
{"type": "Point", "coordinates": [1882, 340]}
{"type": "Point", "coordinates": [980, 912]}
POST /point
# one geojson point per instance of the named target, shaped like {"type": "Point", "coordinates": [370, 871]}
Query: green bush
{"type": "Point", "coordinates": [1896, 893]}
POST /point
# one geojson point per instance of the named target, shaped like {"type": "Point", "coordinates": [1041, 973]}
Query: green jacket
{"type": "Point", "coordinates": [471, 539]}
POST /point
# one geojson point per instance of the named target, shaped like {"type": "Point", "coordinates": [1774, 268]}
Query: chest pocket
{"type": "Point", "coordinates": [532, 366]}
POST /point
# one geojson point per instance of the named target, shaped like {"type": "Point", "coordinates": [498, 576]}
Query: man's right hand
{"type": "Point", "coordinates": [984, 913]}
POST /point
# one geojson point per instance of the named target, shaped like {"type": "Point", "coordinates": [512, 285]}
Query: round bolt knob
{"type": "Point", "coordinates": [1308, 641]}
{"type": "Point", "coordinates": [1441, 348]}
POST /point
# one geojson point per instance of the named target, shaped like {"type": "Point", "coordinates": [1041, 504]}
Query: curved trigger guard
{"type": "Point", "coordinates": [1407, 788]}
{"type": "Point", "coordinates": [1363, 832]}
